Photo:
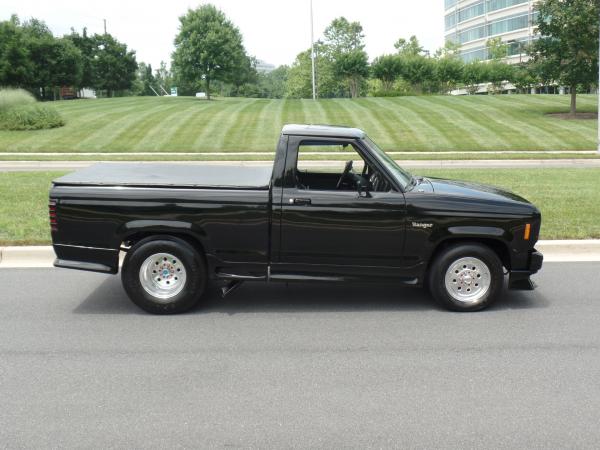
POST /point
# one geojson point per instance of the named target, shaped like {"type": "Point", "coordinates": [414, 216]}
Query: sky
{"type": "Point", "coordinates": [274, 31]}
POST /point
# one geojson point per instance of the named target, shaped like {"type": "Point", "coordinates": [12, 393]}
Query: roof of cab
{"type": "Point", "coordinates": [323, 131]}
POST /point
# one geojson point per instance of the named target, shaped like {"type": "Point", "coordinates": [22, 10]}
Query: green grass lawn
{"type": "Point", "coordinates": [568, 199]}
{"type": "Point", "coordinates": [330, 156]}
{"type": "Point", "coordinates": [426, 123]}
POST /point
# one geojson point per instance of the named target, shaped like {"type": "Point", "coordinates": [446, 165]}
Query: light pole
{"type": "Point", "coordinates": [312, 53]}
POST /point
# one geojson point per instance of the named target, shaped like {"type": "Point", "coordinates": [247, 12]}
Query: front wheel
{"type": "Point", "coordinates": [164, 275]}
{"type": "Point", "coordinates": [466, 277]}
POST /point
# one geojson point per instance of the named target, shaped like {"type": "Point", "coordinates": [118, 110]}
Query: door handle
{"type": "Point", "coordinates": [300, 201]}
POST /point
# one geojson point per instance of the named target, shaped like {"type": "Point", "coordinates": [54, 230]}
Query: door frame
{"type": "Point", "coordinates": [289, 182]}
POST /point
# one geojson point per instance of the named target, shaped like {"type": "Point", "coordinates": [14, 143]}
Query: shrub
{"type": "Point", "coordinates": [30, 117]}
{"type": "Point", "coordinates": [10, 98]}
{"type": "Point", "coordinates": [20, 111]}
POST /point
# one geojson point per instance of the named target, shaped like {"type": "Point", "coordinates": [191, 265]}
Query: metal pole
{"type": "Point", "coordinates": [312, 52]}
{"type": "Point", "coordinates": [598, 85]}
{"type": "Point", "coordinates": [104, 25]}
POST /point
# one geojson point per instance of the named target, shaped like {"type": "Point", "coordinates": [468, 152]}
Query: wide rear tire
{"type": "Point", "coordinates": [164, 275]}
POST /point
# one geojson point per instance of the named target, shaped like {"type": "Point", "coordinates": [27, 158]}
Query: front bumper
{"type": "Point", "coordinates": [520, 279]}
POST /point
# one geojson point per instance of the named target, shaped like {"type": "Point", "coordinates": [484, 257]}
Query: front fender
{"type": "Point", "coordinates": [479, 231]}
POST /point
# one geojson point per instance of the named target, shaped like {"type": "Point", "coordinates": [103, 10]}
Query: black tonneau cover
{"type": "Point", "coordinates": [171, 175]}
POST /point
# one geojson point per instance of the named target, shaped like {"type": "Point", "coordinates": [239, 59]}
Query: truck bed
{"type": "Point", "coordinates": [170, 175]}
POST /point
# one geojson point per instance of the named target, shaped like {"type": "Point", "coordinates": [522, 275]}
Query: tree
{"type": "Point", "coordinates": [164, 77]}
{"type": "Point", "coordinates": [273, 84]}
{"type": "Point", "coordinates": [449, 71]}
{"type": "Point", "coordinates": [353, 67]}
{"type": "Point", "coordinates": [418, 70]}
{"type": "Point", "coordinates": [66, 64]}
{"type": "Point", "coordinates": [387, 69]}
{"type": "Point", "coordinates": [497, 73]}
{"type": "Point", "coordinates": [449, 50]}
{"type": "Point", "coordinates": [208, 47]}
{"type": "Point", "coordinates": [15, 64]}
{"type": "Point", "coordinates": [54, 62]}
{"type": "Point", "coordinates": [145, 82]}
{"type": "Point", "coordinates": [568, 43]}
{"type": "Point", "coordinates": [449, 66]}
{"type": "Point", "coordinates": [86, 46]}
{"type": "Point", "coordinates": [474, 73]}
{"type": "Point", "coordinates": [114, 67]}
{"type": "Point", "coordinates": [523, 77]}
{"type": "Point", "coordinates": [299, 76]}
{"type": "Point", "coordinates": [496, 49]}
{"type": "Point", "coordinates": [245, 75]}
{"type": "Point", "coordinates": [412, 47]}
{"type": "Point", "coordinates": [344, 44]}
{"type": "Point", "coordinates": [342, 36]}
{"type": "Point", "coordinates": [39, 42]}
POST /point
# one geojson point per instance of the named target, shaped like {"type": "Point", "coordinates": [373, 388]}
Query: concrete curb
{"type": "Point", "coordinates": [33, 256]}
{"type": "Point", "coordinates": [554, 251]}
{"type": "Point", "coordinates": [570, 250]}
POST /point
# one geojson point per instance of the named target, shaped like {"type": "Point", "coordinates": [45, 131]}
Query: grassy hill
{"type": "Point", "coordinates": [427, 123]}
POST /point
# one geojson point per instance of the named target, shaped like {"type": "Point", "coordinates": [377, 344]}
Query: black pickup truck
{"type": "Point", "coordinates": [183, 226]}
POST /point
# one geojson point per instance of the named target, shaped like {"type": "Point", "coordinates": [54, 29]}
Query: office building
{"type": "Point", "coordinates": [471, 23]}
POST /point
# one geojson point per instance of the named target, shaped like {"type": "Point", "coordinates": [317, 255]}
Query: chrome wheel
{"type": "Point", "coordinates": [163, 276]}
{"type": "Point", "coordinates": [467, 280]}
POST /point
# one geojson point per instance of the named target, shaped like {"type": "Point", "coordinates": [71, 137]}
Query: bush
{"type": "Point", "coordinates": [30, 117]}
{"type": "Point", "coordinates": [399, 88]}
{"type": "Point", "coordinates": [10, 98]}
{"type": "Point", "coordinates": [20, 111]}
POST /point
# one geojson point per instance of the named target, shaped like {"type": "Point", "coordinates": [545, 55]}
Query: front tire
{"type": "Point", "coordinates": [164, 275]}
{"type": "Point", "coordinates": [466, 277]}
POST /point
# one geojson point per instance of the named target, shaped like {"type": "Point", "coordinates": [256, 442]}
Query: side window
{"type": "Point", "coordinates": [346, 169]}
{"type": "Point", "coordinates": [309, 154]}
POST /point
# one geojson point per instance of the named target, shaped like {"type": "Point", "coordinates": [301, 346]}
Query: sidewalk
{"type": "Point", "coordinates": [554, 251]}
{"type": "Point", "coordinates": [17, 166]}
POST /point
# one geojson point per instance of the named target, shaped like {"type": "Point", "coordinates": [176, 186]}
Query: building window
{"type": "Point", "coordinates": [450, 3]}
{"type": "Point", "coordinates": [479, 54]}
{"type": "Point", "coordinates": [471, 34]}
{"type": "Point", "coordinates": [450, 21]}
{"type": "Point", "coordinates": [505, 25]}
{"type": "Point", "coordinates": [508, 24]}
{"type": "Point", "coordinates": [514, 48]}
{"type": "Point", "coordinates": [470, 12]}
{"type": "Point", "coordinates": [478, 9]}
{"type": "Point", "coordinates": [493, 5]}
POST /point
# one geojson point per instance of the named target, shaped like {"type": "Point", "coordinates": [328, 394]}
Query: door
{"type": "Point", "coordinates": [339, 221]}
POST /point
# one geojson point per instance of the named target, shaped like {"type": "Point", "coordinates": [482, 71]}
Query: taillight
{"type": "Point", "coordinates": [52, 214]}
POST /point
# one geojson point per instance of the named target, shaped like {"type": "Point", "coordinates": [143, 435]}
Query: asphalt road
{"type": "Point", "coordinates": [299, 366]}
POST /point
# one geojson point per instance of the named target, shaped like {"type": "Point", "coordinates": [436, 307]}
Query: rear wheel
{"type": "Point", "coordinates": [164, 275]}
{"type": "Point", "coordinates": [466, 277]}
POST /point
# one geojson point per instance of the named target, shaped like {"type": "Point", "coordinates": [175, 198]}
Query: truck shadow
{"type": "Point", "coordinates": [109, 298]}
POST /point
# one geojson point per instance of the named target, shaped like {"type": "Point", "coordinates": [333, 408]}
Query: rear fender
{"type": "Point", "coordinates": [148, 227]}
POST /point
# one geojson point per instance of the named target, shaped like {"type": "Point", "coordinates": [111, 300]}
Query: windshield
{"type": "Point", "coordinates": [403, 177]}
